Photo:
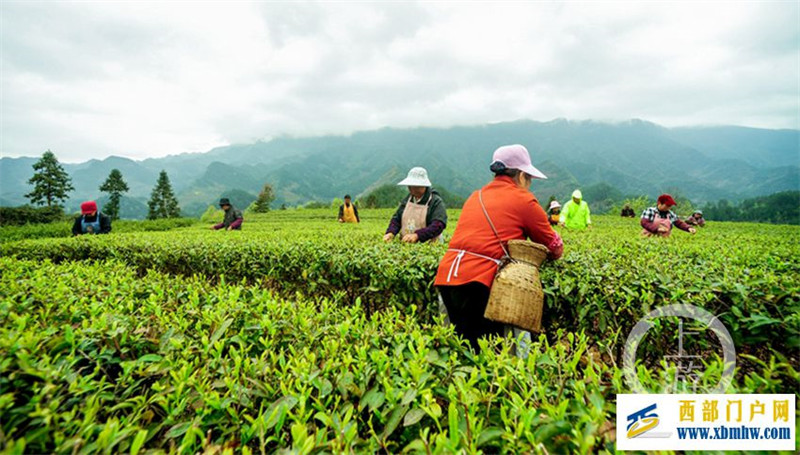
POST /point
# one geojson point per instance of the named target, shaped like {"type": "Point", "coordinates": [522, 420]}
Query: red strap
{"type": "Point", "coordinates": [480, 198]}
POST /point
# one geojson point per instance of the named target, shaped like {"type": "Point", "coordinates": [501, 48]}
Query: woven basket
{"type": "Point", "coordinates": [516, 297]}
{"type": "Point", "coordinates": [525, 250]}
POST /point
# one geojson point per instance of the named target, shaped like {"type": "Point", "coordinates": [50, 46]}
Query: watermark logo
{"type": "Point", "coordinates": [687, 366]}
{"type": "Point", "coordinates": [681, 418]}
{"type": "Point", "coordinates": [642, 421]}
{"type": "Point", "coordinates": [674, 421]}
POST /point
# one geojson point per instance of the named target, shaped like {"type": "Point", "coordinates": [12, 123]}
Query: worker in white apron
{"type": "Point", "coordinates": [422, 215]}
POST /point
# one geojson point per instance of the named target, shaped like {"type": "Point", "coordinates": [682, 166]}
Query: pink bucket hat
{"type": "Point", "coordinates": [517, 157]}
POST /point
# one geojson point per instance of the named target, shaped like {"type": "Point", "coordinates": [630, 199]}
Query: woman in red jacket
{"type": "Point", "coordinates": [467, 270]}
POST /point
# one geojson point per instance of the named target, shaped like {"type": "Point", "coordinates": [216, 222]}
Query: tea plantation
{"type": "Point", "coordinates": [301, 334]}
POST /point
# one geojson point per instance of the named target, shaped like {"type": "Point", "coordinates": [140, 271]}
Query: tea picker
{"type": "Point", "coordinates": [488, 278]}
{"type": "Point", "coordinates": [348, 212]}
{"type": "Point", "coordinates": [696, 219]}
{"type": "Point", "coordinates": [576, 214]}
{"type": "Point", "coordinates": [554, 213]}
{"type": "Point", "coordinates": [422, 215]}
{"type": "Point", "coordinates": [233, 217]}
{"type": "Point", "coordinates": [91, 221]}
{"type": "Point", "coordinates": [658, 221]}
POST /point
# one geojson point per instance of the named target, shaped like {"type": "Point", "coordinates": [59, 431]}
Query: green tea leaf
{"type": "Point", "coordinates": [413, 416]}
{"type": "Point", "coordinates": [394, 420]}
{"type": "Point", "coordinates": [138, 441]}
{"type": "Point", "coordinates": [178, 430]}
{"type": "Point", "coordinates": [221, 331]}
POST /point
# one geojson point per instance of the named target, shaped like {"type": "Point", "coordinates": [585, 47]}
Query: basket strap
{"type": "Point", "coordinates": [502, 245]}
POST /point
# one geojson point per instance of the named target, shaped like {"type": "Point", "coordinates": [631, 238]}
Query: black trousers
{"type": "Point", "coordinates": [465, 306]}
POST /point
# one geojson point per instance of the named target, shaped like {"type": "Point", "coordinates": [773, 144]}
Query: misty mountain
{"type": "Point", "coordinates": [634, 157]}
{"type": "Point", "coordinates": [757, 147]}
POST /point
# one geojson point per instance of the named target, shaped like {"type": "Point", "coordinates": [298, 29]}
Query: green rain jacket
{"type": "Point", "coordinates": [576, 216]}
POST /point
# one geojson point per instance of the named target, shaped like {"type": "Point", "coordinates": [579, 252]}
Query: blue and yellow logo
{"type": "Point", "coordinates": [642, 421]}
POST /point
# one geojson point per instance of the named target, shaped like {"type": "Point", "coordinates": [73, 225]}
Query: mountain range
{"type": "Point", "coordinates": [634, 157]}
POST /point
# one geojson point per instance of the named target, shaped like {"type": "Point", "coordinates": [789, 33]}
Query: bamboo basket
{"type": "Point", "coordinates": [525, 250]}
{"type": "Point", "coordinates": [516, 297]}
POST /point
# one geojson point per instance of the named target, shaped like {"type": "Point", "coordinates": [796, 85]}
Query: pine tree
{"type": "Point", "coordinates": [163, 203]}
{"type": "Point", "coordinates": [114, 186]}
{"type": "Point", "coordinates": [51, 183]}
{"type": "Point", "coordinates": [265, 198]}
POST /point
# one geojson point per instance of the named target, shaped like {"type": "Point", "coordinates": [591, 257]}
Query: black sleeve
{"type": "Point", "coordinates": [76, 226]}
{"type": "Point", "coordinates": [341, 212]}
{"type": "Point", "coordinates": [355, 210]}
{"type": "Point", "coordinates": [437, 211]}
{"type": "Point", "coordinates": [105, 224]}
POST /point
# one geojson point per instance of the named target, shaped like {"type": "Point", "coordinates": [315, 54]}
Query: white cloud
{"type": "Point", "coordinates": [143, 79]}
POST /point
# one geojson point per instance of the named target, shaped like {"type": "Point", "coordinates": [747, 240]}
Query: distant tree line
{"type": "Point", "coordinates": [26, 214]}
{"type": "Point", "coordinates": [52, 185]}
{"type": "Point", "coordinates": [783, 208]}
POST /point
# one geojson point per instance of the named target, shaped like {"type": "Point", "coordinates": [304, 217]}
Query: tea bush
{"type": "Point", "coordinates": [64, 228]}
{"type": "Point", "coordinates": [95, 359]}
{"type": "Point", "coordinates": [747, 274]}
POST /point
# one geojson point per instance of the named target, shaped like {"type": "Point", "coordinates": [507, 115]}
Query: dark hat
{"type": "Point", "coordinates": [224, 201]}
{"type": "Point", "coordinates": [347, 196]}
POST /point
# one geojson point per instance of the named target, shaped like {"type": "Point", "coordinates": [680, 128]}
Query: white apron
{"type": "Point", "coordinates": [415, 217]}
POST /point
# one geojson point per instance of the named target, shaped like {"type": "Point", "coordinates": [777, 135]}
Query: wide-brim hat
{"type": "Point", "coordinates": [417, 176]}
{"type": "Point", "coordinates": [224, 201]}
{"type": "Point", "coordinates": [554, 205]}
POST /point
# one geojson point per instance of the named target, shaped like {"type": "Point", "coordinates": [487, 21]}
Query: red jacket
{"type": "Point", "coordinates": [516, 214]}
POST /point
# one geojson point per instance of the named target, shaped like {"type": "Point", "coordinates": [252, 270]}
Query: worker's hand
{"type": "Point", "coordinates": [411, 238]}
{"type": "Point", "coordinates": [588, 226]}
{"type": "Point", "coordinates": [561, 224]}
{"type": "Point", "coordinates": [388, 237]}
{"type": "Point", "coordinates": [341, 220]}
{"type": "Point", "coordinates": [662, 229]}
{"type": "Point", "coordinates": [692, 230]}
{"type": "Point", "coordinates": [212, 228]}
{"type": "Point", "coordinates": [230, 228]}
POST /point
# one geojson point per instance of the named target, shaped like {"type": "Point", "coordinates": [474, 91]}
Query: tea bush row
{"type": "Point", "coordinates": [747, 274]}
{"type": "Point", "coordinates": [94, 359]}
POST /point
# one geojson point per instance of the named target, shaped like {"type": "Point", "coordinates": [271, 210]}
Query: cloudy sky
{"type": "Point", "coordinates": [146, 79]}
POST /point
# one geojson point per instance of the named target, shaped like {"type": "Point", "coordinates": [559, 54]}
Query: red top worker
{"type": "Point", "coordinates": [658, 220]}
{"type": "Point", "coordinates": [468, 268]}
